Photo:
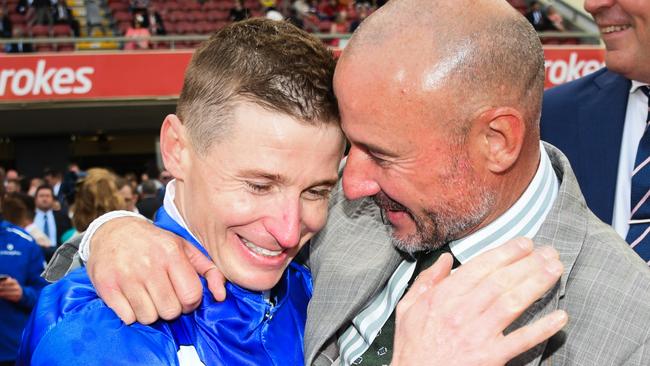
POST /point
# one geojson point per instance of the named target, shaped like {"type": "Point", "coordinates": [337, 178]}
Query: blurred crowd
{"type": "Point", "coordinates": [545, 18]}
{"type": "Point", "coordinates": [54, 207]}
{"type": "Point", "coordinates": [38, 214]}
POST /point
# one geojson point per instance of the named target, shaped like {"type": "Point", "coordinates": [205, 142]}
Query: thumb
{"type": "Point", "coordinates": [206, 268]}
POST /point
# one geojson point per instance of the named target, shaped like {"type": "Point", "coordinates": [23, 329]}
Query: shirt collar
{"type": "Point", "coordinates": [524, 218]}
{"type": "Point", "coordinates": [170, 207]}
{"type": "Point", "coordinates": [636, 85]}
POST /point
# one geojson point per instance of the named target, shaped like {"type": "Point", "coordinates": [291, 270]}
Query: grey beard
{"type": "Point", "coordinates": [438, 229]}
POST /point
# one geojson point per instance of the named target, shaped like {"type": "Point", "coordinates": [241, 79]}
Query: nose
{"type": "Point", "coordinates": [285, 222]}
{"type": "Point", "coordinates": [593, 6]}
{"type": "Point", "coordinates": [357, 179]}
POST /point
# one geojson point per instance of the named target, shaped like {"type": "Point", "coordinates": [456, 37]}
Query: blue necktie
{"type": "Point", "coordinates": [46, 226]}
{"type": "Point", "coordinates": [639, 234]}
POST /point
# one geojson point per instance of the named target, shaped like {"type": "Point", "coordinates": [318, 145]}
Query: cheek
{"type": "Point", "coordinates": [237, 208]}
{"type": "Point", "coordinates": [314, 216]}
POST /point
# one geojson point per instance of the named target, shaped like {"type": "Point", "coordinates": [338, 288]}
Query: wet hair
{"type": "Point", "coordinates": [269, 63]}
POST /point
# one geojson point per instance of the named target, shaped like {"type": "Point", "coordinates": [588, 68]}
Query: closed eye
{"type": "Point", "coordinates": [258, 188]}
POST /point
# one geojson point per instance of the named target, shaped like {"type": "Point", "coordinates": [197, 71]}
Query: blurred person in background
{"type": "Point", "coordinates": [63, 15]}
{"type": "Point", "coordinates": [149, 201]}
{"type": "Point", "coordinates": [19, 209]}
{"type": "Point", "coordinates": [54, 178]}
{"type": "Point", "coordinates": [128, 194]}
{"type": "Point", "coordinates": [155, 21]}
{"type": "Point", "coordinates": [19, 46]}
{"type": "Point", "coordinates": [537, 17]}
{"type": "Point", "coordinates": [238, 12]}
{"type": "Point", "coordinates": [21, 264]}
{"type": "Point", "coordinates": [42, 12]}
{"type": "Point", "coordinates": [5, 23]}
{"type": "Point", "coordinates": [94, 18]}
{"type": "Point", "coordinates": [556, 19]}
{"type": "Point", "coordinates": [139, 31]}
{"type": "Point", "coordinates": [54, 223]}
{"type": "Point", "coordinates": [34, 183]}
{"type": "Point", "coordinates": [96, 195]}
{"type": "Point", "coordinates": [363, 10]}
{"type": "Point", "coordinates": [600, 122]}
{"type": "Point", "coordinates": [11, 174]}
{"type": "Point", "coordinates": [12, 186]}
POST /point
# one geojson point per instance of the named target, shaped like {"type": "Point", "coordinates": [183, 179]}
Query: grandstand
{"type": "Point", "coordinates": [81, 98]}
{"type": "Point", "coordinates": [185, 23]}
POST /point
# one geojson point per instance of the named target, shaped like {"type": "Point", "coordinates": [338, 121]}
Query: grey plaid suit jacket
{"type": "Point", "coordinates": [605, 288]}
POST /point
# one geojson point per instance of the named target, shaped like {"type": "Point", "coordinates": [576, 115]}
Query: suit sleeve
{"type": "Point", "coordinates": [64, 260]}
{"type": "Point", "coordinates": [640, 356]}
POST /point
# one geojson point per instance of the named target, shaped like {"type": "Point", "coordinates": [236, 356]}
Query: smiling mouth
{"type": "Point", "coordinates": [614, 28]}
{"type": "Point", "coordinates": [259, 250]}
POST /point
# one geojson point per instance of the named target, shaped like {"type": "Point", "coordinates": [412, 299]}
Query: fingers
{"type": "Point", "coordinates": [116, 301]}
{"type": "Point", "coordinates": [427, 280]}
{"type": "Point", "coordinates": [540, 279]}
{"type": "Point", "coordinates": [534, 270]}
{"type": "Point", "coordinates": [141, 303]}
{"type": "Point", "coordinates": [207, 269]}
{"type": "Point", "coordinates": [476, 270]}
{"type": "Point", "coordinates": [531, 335]}
{"type": "Point", "coordinates": [167, 305]}
{"type": "Point", "coordinates": [184, 278]}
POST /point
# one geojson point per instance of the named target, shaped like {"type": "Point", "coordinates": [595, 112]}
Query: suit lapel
{"type": "Point", "coordinates": [568, 217]}
{"type": "Point", "coordinates": [351, 260]}
{"type": "Point", "coordinates": [600, 129]}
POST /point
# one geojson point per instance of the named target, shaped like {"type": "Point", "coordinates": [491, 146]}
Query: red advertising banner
{"type": "Point", "coordinates": [564, 64]}
{"type": "Point", "coordinates": [147, 75]}
{"type": "Point", "coordinates": [81, 76]}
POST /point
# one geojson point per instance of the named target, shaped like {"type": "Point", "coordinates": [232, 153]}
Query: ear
{"type": "Point", "coordinates": [501, 136]}
{"type": "Point", "coordinates": [174, 146]}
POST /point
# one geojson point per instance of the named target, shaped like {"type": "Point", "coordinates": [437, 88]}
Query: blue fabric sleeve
{"type": "Point", "coordinates": [71, 325]}
{"type": "Point", "coordinates": [34, 282]}
{"type": "Point", "coordinates": [99, 337]}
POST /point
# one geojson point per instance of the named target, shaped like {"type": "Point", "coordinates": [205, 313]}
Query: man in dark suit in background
{"type": "Point", "coordinates": [52, 222]}
{"type": "Point", "coordinates": [150, 202]}
{"type": "Point", "coordinates": [598, 121]}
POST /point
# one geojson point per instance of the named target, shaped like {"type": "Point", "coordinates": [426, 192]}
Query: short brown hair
{"type": "Point", "coordinates": [270, 63]}
{"type": "Point", "coordinates": [18, 208]}
{"type": "Point", "coordinates": [96, 195]}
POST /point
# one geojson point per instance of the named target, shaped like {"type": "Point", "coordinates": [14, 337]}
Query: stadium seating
{"type": "Point", "coordinates": [180, 17]}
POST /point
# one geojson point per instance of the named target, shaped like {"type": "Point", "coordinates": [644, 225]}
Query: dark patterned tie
{"type": "Point", "coordinates": [638, 235]}
{"type": "Point", "coordinates": [380, 351]}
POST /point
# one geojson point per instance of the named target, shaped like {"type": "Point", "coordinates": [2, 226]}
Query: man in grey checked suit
{"type": "Point", "coordinates": [443, 116]}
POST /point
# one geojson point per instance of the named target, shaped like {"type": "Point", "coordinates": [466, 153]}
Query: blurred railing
{"type": "Point", "coordinates": [177, 40]}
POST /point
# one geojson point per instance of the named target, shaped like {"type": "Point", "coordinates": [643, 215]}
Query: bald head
{"type": "Point", "coordinates": [481, 53]}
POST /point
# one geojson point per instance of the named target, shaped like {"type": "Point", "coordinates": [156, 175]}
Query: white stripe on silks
{"type": "Point", "coordinates": [640, 238]}
{"type": "Point", "coordinates": [640, 166]}
{"type": "Point", "coordinates": [359, 336]}
{"type": "Point", "coordinates": [638, 205]}
{"type": "Point", "coordinates": [187, 356]}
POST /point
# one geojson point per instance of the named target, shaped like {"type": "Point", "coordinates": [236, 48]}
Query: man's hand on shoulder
{"type": "Point", "coordinates": [459, 319]}
{"type": "Point", "coordinates": [143, 272]}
